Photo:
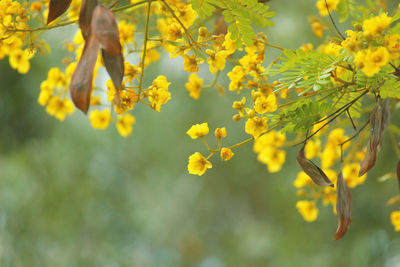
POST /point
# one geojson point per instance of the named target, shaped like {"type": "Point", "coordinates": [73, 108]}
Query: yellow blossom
{"type": "Point", "coordinates": [158, 92]}
{"type": "Point", "coordinates": [375, 25]}
{"type": "Point", "coordinates": [312, 148]}
{"type": "Point", "coordinates": [273, 158]}
{"type": "Point", "coordinates": [273, 138]}
{"type": "Point", "coordinates": [392, 43]}
{"type": "Point", "coordinates": [370, 61]}
{"type": "Point", "coordinates": [226, 154]}
{"type": "Point", "coordinates": [330, 49]}
{"type": "Point", "coordinates": [350, 175]}
{"type": "Point", "coordinates": [44, 97]}
{"type": "Point", "coordinates": [198, 164]}
{"type": "Point", "coordinates": [302, 180]}
{"type": "Point", "coordinates": [19, 60]}
{"type": "Point", "coordinates": [152, 54]}
{"type": "Point", "coordinates": [265, 104]}
{"type": "Point", "coordinates": [191, 63]}
{"type": "Point", "coordinates": [216, 60]}
{"type": "Point", "coordinates": [174, 31]}
{"type": "Point", "coordinates": [395, 219]}
{"type": "Point", "coordinates": [36, 6]}
{"type": "Point", "coordinates": [256, 126]}
{"type": "Point", "coordinates": [194, 86]}
{"type": "Point", "coordinates": [308, 210]}
{"type": "Point", "coordinates": [131, 71]}
{"type": "Point", "coordinates": [126, 31]}
{"type": "Point", "coordinates": [350, 43]}
{"type": "Point", "coordinates": [59, 108]}
{"type": "Point", "coordinates": [307, 47]}
{"type": "Point", "coordinates": [329, 155]}
{"type": "Point", "coordinates": [100, 119]}
{"type": "Point", "coordinates": [317, 28]}
{"type": "Point", "coordinates": [95, 100]}
{"type": "Point", "coordinates": [239, 106]}
{"type": "Point", "coordinates": [198, 130]}
{"type": "Point", "coordinates": [57, 78]}
{"type": "Point", "coordinates": [46, 91]}
{"type": "Point", "coordinates": [220, 133]}
{"type": "Point", "coordinates": [229, 44]}
{"type": "Point", "coordinates": [124, 124]}
{"type": "Point", "coordinates": [186, 14]}
{"type": "Point", "coordinates": [322, 6]}
{"type": "Point", "coordinates": [128, 99]}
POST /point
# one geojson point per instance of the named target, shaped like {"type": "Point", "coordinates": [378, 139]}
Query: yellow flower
{"type": "Point", "coordinates": [44, 97]}
{"type": "Point", "coordinates": [19, 60]}
{"type": "Point", "coordinates": [375, 25]}
{"type": "Point", "coordinates": [36, 6]}
{"type": "Point", "coordinates": [273, 138]}
{"type": "Point", "coordinates": [239, 106]}
{"type": "Point", "coordinates": [370, 61]}
{"type": "Point", "coordinates": [229, 44]}
{"type": "Point", "coordinates": [194, 86]}
{"type": "Point", "coordinates": [317, 28]}
{"type": "Point", "coordinates": [45, 93]}
{"type": "Point", "coordinates": [191, 63]}
{"type": "Point", "coordinates": [312, 148]}
{"type": "Point", "coordinates": [392, 42]}
{"type": "Point", "coordinates": [158, 93]}
{"type": "Point", "coordinates": [131, 71]}
{"type": "Point", "coordinates": [265, 104]}
{"type": "Point", "coordinates": [95, 100]}
{"type": "Point", "coordinates": [395, 219]}
{"type": "Point", "coordinates": [336, 136]}
{"type": "Point", "coordinates": [302, 180]}
{"type": "Point", "coordinates": [126, 31]}
{"type": "Point", "coordinates": [226, 154]}
{"type": "Point", "coordinates": [56, 78]}
{"type": "Point", "coordinates": [128, 99]}
{"type": "Point", "coordinates": [256, 126]}
{"type": "Point", "coordinates": [59, 108]}
{"type": "Point", "coordinates": [198, 164]}
{"type": "Point", "coordinates": [350, 43]}
{"type": "Point", "coordinates": [198, 130]}
{"type": "Point", "coordinates": [186, 14]}
{"type": "Point", "coordinates": [307, 209]}
{"type": "Point", "coordinates": [124, 124]}
{"type": "Point", "coordinates": [237, 77]}
{"type": "Point", "coordinates": [216, 60]}
{"type": "Point", "coordinates": [174, 31]}
{"type": "Point", "coordinates": [329, 155]}
{"type": "Point", "coordinates": [273, 158]}
{"type": "Point", "coordinates": [152, 54]}
{"type": "Point", "coordinates": [100, 119]}
{"type": "Point", "coordinates": [330, 49]}
{"type": "Point", "coordinates": [321, 5]}
{"type": "Point", "coordinates": [350, 175]}
{"type": "Point", "coordinates": [220, 133]}
{"type": "Point", "coordinates": [307, 47]}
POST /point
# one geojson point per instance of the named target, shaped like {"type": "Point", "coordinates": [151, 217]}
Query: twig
{"type": "Point", "coordinates": [333, 22]}
{"type": "Point", "coordinates": [144, 46]}
{"type": "Point", "coordinates": [356, 134]}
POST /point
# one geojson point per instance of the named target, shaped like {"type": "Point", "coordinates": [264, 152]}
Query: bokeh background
{"type": "Point", "coordinates": [71, 195]}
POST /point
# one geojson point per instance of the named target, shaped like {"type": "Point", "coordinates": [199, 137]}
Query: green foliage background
{"type": "Point", "coordinates": [74, 196]}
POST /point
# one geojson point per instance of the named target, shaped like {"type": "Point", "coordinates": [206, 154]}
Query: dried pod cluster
{"type": "Point", "coordinates": [100, 30]}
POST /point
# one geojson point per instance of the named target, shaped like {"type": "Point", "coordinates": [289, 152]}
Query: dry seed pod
{"type": "Point", "coordinates": [312, 170]}
{"type": "Point", "coordinates": [343, 207]}
{"type": "Point", "coordinates": [57, 8]}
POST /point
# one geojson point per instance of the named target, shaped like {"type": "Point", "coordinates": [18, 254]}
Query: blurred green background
{"type": "Point", "coordinates": [74, 196]}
